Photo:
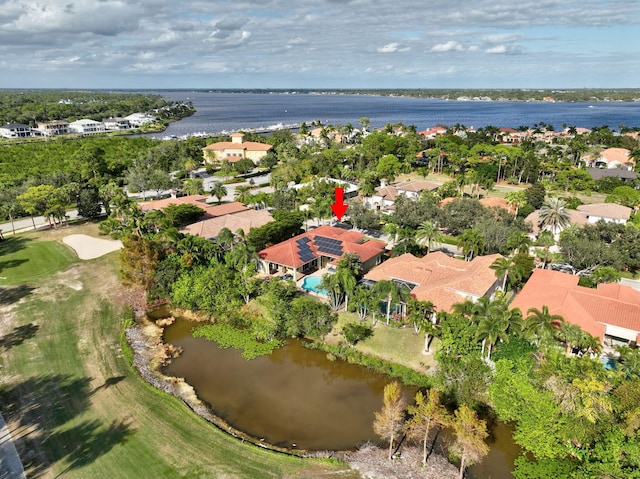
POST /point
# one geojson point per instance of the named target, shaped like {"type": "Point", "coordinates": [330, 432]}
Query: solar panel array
{"type": "Point", "coordinates": [304, 250]}
{"type": "Point", "coordinates": [328, 245]}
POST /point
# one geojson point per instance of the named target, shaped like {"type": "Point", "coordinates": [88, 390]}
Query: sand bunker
{"type": "Point", "coordinates": [88, 247]}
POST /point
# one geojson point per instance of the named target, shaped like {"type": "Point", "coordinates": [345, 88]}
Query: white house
{"type": "Point", "coordinates": [86, 127]}
{"type": "Point", "coordinates": [139, 119]}
{"type": "Point", "coordinates": [15, 130]}
{"type": "Point", "coordinates": [385, 196]}
{"type": "Point", "coordinates": [608, 212]}
{"type": "Point", "coordinates": [612, 158]}
{"type": "Point", "coordinates": [116, 124]}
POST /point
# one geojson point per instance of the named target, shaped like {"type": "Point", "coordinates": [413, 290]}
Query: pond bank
{"type": "Point", "coordinates": [151, 354]}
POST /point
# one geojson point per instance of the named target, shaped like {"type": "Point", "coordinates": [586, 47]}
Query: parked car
{"type": "Point", "coordinates": [286, 277]}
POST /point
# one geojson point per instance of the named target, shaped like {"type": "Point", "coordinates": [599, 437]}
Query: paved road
{"type": "Point", "coordinates": [10, 463]}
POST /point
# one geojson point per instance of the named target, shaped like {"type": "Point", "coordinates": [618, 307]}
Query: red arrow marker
{"type": "Point", "coordinates": [339, 207]}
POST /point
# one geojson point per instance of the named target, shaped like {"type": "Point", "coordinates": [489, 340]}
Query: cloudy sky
{"type": "Point", "coordinates": [319, 43]}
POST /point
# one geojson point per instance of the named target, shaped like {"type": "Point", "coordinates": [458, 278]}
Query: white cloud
{"type": "Point", "coordinates": [450, 46]}
{"type": "Point", "coordinates": [392, 48]}
{"type": "Point", "coordinates": [497, 49]}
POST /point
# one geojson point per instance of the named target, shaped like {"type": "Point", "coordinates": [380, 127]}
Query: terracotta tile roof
{"type": "Point", "coordinates": [606, 210]}
{"type": "Point", "coordinates": [197, 200]}
{"type": "Point", "coordinates": [439, 278]}
{"type": "Point", "coordinates": [245, 145]}
{"type": "Point", "coordinates": [416, 186]}
{"type": "Point", "coordinates": [389, 193]}
{"type": "Point", "coordinates": [590, 309]}
{"type": "Point", "coordinates": [222, 209]}
{"type": "Point", "coordinates": [491, 202]}
{"type": "Point", "coordinates": [245, 220]}
{"type": "Point", "coordinates": [288, 253]}
{"type": "Point", "coordinates": [575, 218]}
{"type": "Point", "coordinates": [620, 155]}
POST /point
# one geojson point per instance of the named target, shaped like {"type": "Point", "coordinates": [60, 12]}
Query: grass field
{"type": "Point", "coordinates": [399, 345]}
{"type": "Point", "coordinates": [76, 409]}
{"type": "Point", "coordinates": [25, 260]}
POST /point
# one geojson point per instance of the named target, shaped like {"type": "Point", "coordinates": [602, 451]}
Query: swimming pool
{"type": "Point", "coordinates": [312, 283]}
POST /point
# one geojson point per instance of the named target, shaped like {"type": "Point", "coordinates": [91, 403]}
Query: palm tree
{"type": "Point", "coordinates": [242, 194]}
{"type": "Point", "coordinates": [502, 267]}
{"type": "Point", "coordinates": [570, 335]}
{"type": "Point", "coordinates": [542, 324]}
{"type": "Point", "coordinates": [219, 191]}
{"type": "Point", "coordinates": [427, 234]}
{"type": "Point", "coordinates": [392, 292]}
{"type": "Point", "coordinates": [516, 199]}
{"type": "Point", "coordinates": [554, 216]}
{"type": "Point", "coordinates": [471, 242]}
{"type": "Point", "coordinates": [492, 329]}
{"type": "Point", "coordinates": [421, 314]}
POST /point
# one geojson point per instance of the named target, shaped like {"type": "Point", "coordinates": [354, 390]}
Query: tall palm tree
{"type": "Point", "coordinates": [542, 324]}
{"type": "Point", "coordinates": [392, 292]}
{"type": "Point", "coordinates": [492, 329]}
{"type": "Point", "coordinates": [554, 216]}
{"type": "Point", "coordinates": [427, 234]}
{"type": "Point", "coordinates": [502, 268]}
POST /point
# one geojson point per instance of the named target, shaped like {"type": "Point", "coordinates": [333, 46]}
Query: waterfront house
{"type": "Point", "coordinates": [235, 150]}
{"type": "Point", "coordinates": [15, 130]}
{"type": "Point", "coordinates": [139, 119]}
{"type": "Point", "coordinates": [315, 249]}
{"type": "Point", "coordinates": [610, 313]}
{"type": "Point", "coordinates": [86, 126]}
{"type": "Point", "coordinates": [116, 124]}
{"type": "Point", "coordinates": [439, 278]}
{"type": "Point", "coordinates": [53, 128]}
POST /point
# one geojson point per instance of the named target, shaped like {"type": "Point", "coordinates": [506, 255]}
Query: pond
{"type": "Point", "coordinates": [298, 398]}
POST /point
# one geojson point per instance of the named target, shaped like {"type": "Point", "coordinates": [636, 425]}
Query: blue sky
{"type": "Point", "coordinates": [320, 44]}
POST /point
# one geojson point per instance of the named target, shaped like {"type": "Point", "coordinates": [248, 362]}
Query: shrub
{"type": "Point", "coordinates": [355, 332]}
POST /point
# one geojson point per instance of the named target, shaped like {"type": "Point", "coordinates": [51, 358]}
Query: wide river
{"type": "Point", "coordinates": [230, 112]}
{"type": "Point", "coordinates": [298, 398]}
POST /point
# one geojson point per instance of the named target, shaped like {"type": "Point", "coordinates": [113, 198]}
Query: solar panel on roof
{"type": "Point", "coordinates": [302, 241]}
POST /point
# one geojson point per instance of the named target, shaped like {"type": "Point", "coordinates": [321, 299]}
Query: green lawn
{"type": "Point", "coordinates": [24, 260]}
{"type": "Point", "coordinates": [76, 409]}
{"type": "Point", "coordinates": [399, 345]}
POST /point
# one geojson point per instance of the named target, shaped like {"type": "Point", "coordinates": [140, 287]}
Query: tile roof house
{"type": "Point", "coordinates": [608, 212]}
{"type": "Point", "coordinates": [611, 312]}
{"type": "Point", "coordinates": [244, 220]}
{"type": "Point", "coordinates": [211, 211]}
{"type": "Point", "coordinates": [611, 158]}
{"type": "Point", "coordinates": [318, 247]}
{"type": "Point", "coordinates": [235, 150]}
{"type": "Point", "coordinates": [533, 220]}
{"type": "Point", "coordinates": [233, 216]}
{"type": "Point", "coordinates": [439, 278]}
{"type": "Point", "coordinates": [385, 195]}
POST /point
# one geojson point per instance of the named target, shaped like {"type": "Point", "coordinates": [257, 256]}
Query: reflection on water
{"type": "Point", "coordinates": [297, 396]}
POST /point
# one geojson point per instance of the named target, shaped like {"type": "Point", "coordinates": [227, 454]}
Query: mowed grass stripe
{"type": "Point", "coordinates": [95, 417]}
{"type": "Point", "coordinates": [27, 261]}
